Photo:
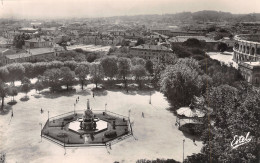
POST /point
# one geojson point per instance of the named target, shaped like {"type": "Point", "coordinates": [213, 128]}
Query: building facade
{"type": "Point", "coordinates": [250, 71]}
{"type": "Point", "coordinates": [156, 53]}
{"type": "Point", "coordinates": [37, 43]}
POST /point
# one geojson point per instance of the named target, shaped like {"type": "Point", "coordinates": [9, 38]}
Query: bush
{"type": "Point", "coordinates": [191, 128]}
{"type": "Point", "coordinates": [110, 134]}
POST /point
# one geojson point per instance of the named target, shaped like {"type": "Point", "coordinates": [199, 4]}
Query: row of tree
{"type": "Point", "coordinates": [112, 67]}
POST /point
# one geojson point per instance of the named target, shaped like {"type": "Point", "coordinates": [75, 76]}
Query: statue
{"type": "Point", "coordinates": [88, 123]}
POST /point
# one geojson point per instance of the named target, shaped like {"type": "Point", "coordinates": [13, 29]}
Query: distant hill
{"type": "Point", "coordinates": [203, 16]}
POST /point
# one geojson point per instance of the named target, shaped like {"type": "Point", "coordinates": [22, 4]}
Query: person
{"type": "Point", "coordinates": [12, 114]}
{"type": "Point", "coordinates": [41, 111]}
{"type": "Point", "coordinates": [143, 114]}
{"type": "Point", "coordinates": [93, 95]}
{"type": "Point", "coordinates": [194, 141]}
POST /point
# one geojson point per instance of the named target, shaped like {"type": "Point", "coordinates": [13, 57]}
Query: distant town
{"type": "Point", "coordinates": [148, 88]}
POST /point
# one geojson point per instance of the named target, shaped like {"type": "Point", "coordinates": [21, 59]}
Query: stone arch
{"type": "Point", "coordinates": [247, 49]}
{"type": "Point", "coordinates": [252, 52]}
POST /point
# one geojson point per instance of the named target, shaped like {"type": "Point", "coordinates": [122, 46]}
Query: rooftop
{"type": "Point", "coordinates": [151, 47]}
{"type": "Point", "coordinates": [32, 52]}
{"type": "Point", "coordinates": [250, 65]}
{"type": "Point", "coordinates": [185, 38]}
{"type": "Point", "coordinates": [36, 40]}
{"type": "Point", "coordinates": [253, 38]}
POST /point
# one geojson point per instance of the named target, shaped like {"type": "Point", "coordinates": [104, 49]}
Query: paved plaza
{"type": "Point", "coordinates": [156, 134]}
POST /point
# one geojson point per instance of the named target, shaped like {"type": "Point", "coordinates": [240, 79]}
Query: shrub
{"type": "Point", "coordinates": [110, 134]}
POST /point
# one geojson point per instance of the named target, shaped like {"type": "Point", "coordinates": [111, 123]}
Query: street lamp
{"type": "Point", "coordinates": [48, 118]}
{"type": "Point", "coordinates": [41, 131]}
{"type": "Point", "coordinates": [74, 107]}
{"type": "Point", "coordinates": [183, 150]}
{"type": "Point", "coordinates": [150, 101]}
{"type": "Point", "coordinates": [129, 113]}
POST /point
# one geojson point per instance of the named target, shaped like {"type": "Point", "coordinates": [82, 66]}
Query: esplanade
{"type": "Point", "coordinates": [246, 48]}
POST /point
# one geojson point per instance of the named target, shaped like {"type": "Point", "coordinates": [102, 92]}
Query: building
{"type": "Point", "coordinates": [181, 39]}
{"type": "Point", "coordinates": [246, 48]}
{"type": "Point", "coordinates": [228, 41]}
{"type": "Point", "coordinates": [247, 55]}
{"type": "Point", "coordinates": [30, 55]}
{"type": "Point", "coordinates": [27, 30]}
{"type": "Point", "coordinates": [37, 43]}
{"type": "Point", "coordinates": [157, 53]}
{"type": "Point", "coordinates": [250, 71]}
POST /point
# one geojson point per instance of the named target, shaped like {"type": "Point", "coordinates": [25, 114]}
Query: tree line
{"type": "Point", "coordinates": [56, 73]}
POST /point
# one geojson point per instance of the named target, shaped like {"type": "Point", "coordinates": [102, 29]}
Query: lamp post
{"type": "Point", "coordinates": [74, 107]}
{"type": "Point", "coordinates": [48, 118]}
{"type": "Point", "coordinates": [41, 131]}
{"type": "Point", "coordinates": [64, 143]}
{"type": "Point", "coordinates": [183, 151]}
{"type": "Point", "coordinates": [129, 113]}
{"type": "Point", "coordinates": [150, 101]}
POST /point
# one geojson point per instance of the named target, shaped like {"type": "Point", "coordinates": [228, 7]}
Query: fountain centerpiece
{"type": "Point", "coordinates": [88, 121]}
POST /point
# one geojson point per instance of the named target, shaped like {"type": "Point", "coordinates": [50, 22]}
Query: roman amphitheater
{"type": "Point", "coordinates": [247, 55]}
{"type": "Point", "coordinates": [247, 48]}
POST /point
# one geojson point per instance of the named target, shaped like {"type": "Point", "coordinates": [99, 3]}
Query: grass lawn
{"type": "Point", "coordinates": [157, 135]}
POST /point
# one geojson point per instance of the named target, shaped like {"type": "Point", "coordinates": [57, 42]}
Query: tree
{"type": "Point", "coordinates": [12, 91]}
{"type": "Point", "coordinates": [193, 42]}
{"type": "Point", "coordinates": [26, 80]}
{"type": "Point", "coordinates": [25, 88]}
{"type": "Point", "coordinates": [39, 86]}
{"type": "Point", "coordinates": [96, 73]}
{"type": "Point", "coordinates": [52, 77]}
{"type": "Point", "coordinates": [67, 76]}
{"type": "Point", "coordinates": [140, 41]}
{"type": "Point", "coordinates": [138, 72]}
{"type": "Point", "coordinates": [222, 47]}
{"type": "Point", "coordinates": [124, 68]}
{"type": "Point", "coordinates": [149, 66]}
{"type": "Point", "coordinates": [29, 69]}
{"type": "Point", "coordinates": [181, 82]}
{"type": "Point", "coordinates": [18, 41]}
{"type": "Point", "coordinates": [16, 72]}
{"type": "Point", "coordinates": [3, 92]}
{"type": "Point", "coordinates": [137, 61]}
{"type": "Point", "coordinates": [109, 65]}
{"type": "Point", "coordinates": [159, 68]}
{"type": "Point", "coordinates": [4, 73]}
{"type": "Point", "coordinates": [237, 115]}
{"type": "Point", "coordinates": [82, 71]}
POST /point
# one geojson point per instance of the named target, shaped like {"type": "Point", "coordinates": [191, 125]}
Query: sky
{"type": "Point", "coordinates": [105, 8]}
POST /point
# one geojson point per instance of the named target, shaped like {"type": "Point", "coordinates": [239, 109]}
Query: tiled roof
{"type": "Point", "coordinates": [152, 47]}
{"type": "Point", "coordinates": [36, 40]}
{"type": "Point", "coordinates": [185, 38]}
{"type": "Point", "coordinates": [33, 52]}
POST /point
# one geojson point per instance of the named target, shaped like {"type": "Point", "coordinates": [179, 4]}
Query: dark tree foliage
{"type": "Point", "coordinates": [18, 41]}
{"type": "Point", "coordinates": [82, 71]}
{"type": "Point", "coordinates": [149, 66]}
{"type": "Point", "coordinates": [124, 68]}
{"type": "Point", "coordinates": [222, 47]}
{"type": "Point", "coordinates": [181, 51]}
{"type": "Point", "coordinates": [193, 42]}
{"type": "Point", "coordinates": [140, 41]}
{"type": "Point", "coordinates": [3, 92]}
